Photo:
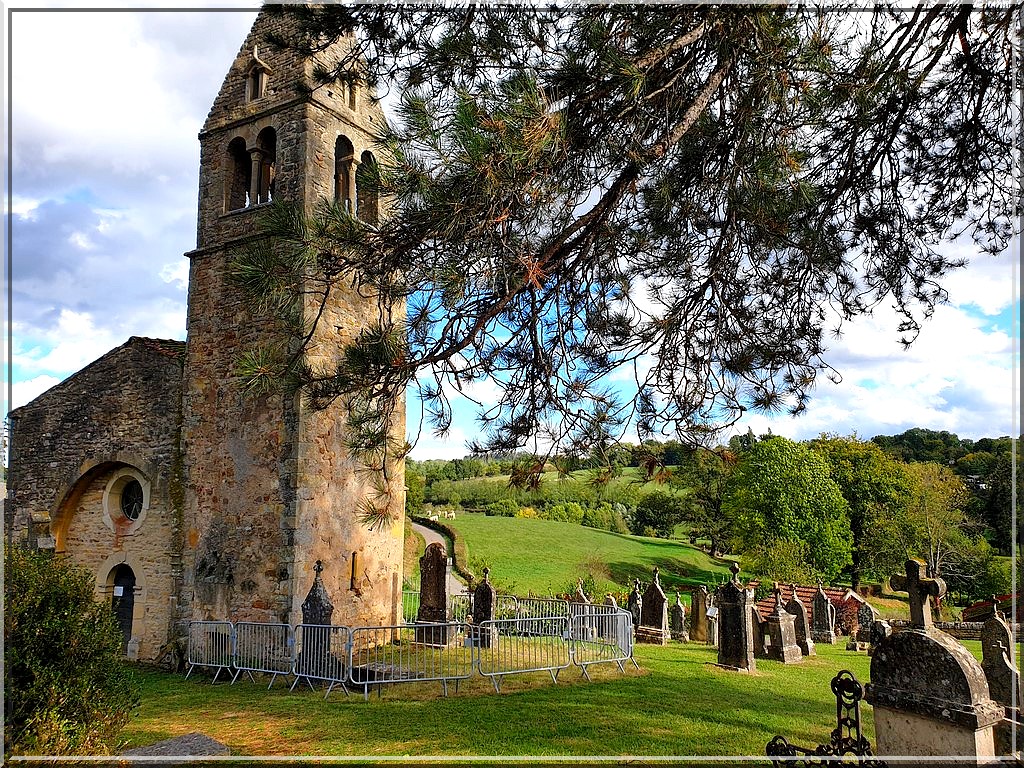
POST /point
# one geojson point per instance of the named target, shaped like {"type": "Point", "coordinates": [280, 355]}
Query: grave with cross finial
{"type": "Point", "coordinates": [734, 603]}
{"type": "Point", "coordinates": [929, 693]}
{"type": "Point", "coordinates": [919, 589]}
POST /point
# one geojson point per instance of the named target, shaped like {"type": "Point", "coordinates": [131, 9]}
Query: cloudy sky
{"type": "Point", "coordinates": [106, 107]}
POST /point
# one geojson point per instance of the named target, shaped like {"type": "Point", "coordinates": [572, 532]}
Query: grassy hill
{"type": "Point", "coordinates": [546, 557]}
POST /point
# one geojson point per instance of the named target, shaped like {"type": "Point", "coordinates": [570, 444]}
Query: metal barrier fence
{"type": "Point", "coordinates": [402, 653]}
{"type": "Point", "coordinates": [514, 646]}
{"type": "Point", "coordinates": [410, 606]}
{"type": "Point", "coordinates": [266, 648]}
{"type": "Point", "coordinates": [601, 635]}
{"type": "Point", "coordinates": [410, 654]}
{"type": "Point", "coordinates": [210, 644]}
{"type": "Point", "coordinates": [322, 652]}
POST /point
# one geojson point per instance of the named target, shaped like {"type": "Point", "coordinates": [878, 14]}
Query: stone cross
{"type": "Point", "coordinates": [918, 589]}
{"type": "Point", "coordinates": [484, 599]}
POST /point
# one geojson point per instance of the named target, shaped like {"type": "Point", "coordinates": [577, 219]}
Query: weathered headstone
{"type": "Point", "coordinates": [735, 633]}
{"type": "Point", "coordinates": [1003, 678]}
{"type": "Point", "coordinates": [782, 632]}
{"type": "Point", "coordinates": [433, 597]}
{"type": "Point", "coordinates": [929, 693]}
{"type": "Point", "coordinates": [484, 600]}
{"type": "Point", "coordinates": [677, 620]}
{"type": "Point", "coordinates": [823, 627]}
{"type": "Point", "coordinates": [759, 632]}
{"type": "Point", "coordinates": [653, 614]}
{"type": "Point", "coordinates": [609, 599]}
{"type": "Point", "coordinates": [317, 611]}
{"type": "Point", "coordinates": [879, 631]}
{"type": "Point", "coordinates": [699, 614]}
{"type": "Point", "coordinates": [800, 623]}
{"type": "Point", "coordinates": [634, 604]}
{"type": "Point", "coordinates": [860, 637]}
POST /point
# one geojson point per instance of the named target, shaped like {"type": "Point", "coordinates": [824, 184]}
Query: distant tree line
{"type": "Point", "coordinates": [833, 507]}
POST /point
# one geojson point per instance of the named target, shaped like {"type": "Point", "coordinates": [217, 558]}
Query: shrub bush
{"type": "Point", "coordinates": [503, 508]}
{"type": "Point", "coordinates": [570, 512]}
{"type": "Point", "coordinates": [68, 690]}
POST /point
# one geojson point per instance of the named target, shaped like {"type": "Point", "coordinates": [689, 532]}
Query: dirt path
{"type": "Point", "coordinates": [455, 586]}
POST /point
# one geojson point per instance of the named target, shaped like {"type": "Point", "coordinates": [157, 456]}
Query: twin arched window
{"type": "Point", "coordinates": [355, 189]}
{"type": "Point", "coordinates": [250, 171]}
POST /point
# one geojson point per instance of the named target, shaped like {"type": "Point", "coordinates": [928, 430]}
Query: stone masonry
{"type": "Point", "coordinates": [242, 494]}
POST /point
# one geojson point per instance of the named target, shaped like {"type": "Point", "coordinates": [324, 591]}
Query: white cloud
{"type": "Point", "coordinates": [23, 392]}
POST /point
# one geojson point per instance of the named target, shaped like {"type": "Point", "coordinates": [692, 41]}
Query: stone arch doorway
{"type": "Point", "coordinates": [122, 601]}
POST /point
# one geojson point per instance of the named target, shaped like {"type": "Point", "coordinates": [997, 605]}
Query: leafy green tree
{"type": "Point", "coordinates": [704, 473]}
{"type": "Point", "coordinates": [939, 523]}
{"type": "Point", "coordinates": [67, 691]}
{"type": "Point", "coordinates": [875, 487]}
{"type": "Point", "coordinates": [998, 501]}
{"type": "Point", "coordinates": [782, 490]}
{"type": "Point", "coordinates": [920, 444]}
{"type": "Point", "coordinates": [658, 512]}
{"type": "Point", "coordinates": [415, 490]}
{"type": "Point", "coordinates": [678, 192]}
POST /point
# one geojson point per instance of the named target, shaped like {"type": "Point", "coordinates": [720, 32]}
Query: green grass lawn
{"type": "Point", "coordinates": [546, 557]}
{"type": "Point", "coordinates": [678, 704]}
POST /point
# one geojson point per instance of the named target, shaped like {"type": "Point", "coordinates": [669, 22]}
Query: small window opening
{"type": "Point", "coordinates": [132, 499]}
{"type": "Point", "coordinates": [239, 176]}
{"type": "Point", "coordinates": [367, 182]}
{"type": "Point", "coordinates": [351, 95]}
{"type": "Point", "coordinates": [256, 78]}
{"type": "Point", "coordinates": [344, 171]}
{"type": "Point", "coordinates": [264, 159]}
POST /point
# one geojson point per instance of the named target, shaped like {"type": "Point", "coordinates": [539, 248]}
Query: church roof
{"type": "Point", "coordinates": [169, 347]}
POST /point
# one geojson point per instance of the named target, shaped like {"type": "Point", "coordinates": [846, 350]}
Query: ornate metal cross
{"type": "Point", "coordinates": [918, 588]}
{"type": "Point", "coordinates": [318, 568]}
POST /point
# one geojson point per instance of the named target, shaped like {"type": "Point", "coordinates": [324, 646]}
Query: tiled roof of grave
{"type": "Point", "coordinates": [982, 609]}
{"type": "Point", "coordinates": [169, 347]}
{"type": "Point", "coordinates": [837, 595]}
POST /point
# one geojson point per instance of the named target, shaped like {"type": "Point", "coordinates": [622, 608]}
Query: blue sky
{"type": "Point", "coordinates": [106, 108]}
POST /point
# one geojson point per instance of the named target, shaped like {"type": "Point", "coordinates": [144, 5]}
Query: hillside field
{"type": "Point", "coordinates": [546, 557]}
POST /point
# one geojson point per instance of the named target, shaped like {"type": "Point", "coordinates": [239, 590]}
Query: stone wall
{"type": "Point", "coordinates": [116, 419]}
{"type": "Point", "coordinates": [961, 630]}
{"type": "Point", "coordinates": [271, 487]}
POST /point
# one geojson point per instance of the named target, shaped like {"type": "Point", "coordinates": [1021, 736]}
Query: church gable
{"type": "Point", "coordinates": [123, 407]}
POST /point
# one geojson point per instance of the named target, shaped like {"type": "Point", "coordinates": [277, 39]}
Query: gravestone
{"type": "Point", "coordinates": [609, 599]}
{"type": "Point", "coordinates": [735, 633]}
{"type": "Point", "coordinates": [634, 604]}
{"type": "Point", "coordinates": [759, 632]}
{"type": "Point", "coordinates": [433, 597]}
{"type": "Point", "coordinates": [484, 600]}
{"type": "Point", "coordinates": [929, 693]}
{"type": "Point", "coordinates": [677, 620]}
{"type": "Point", "coordinates": [800, 623]}
{"type": "Point", "coordinates": [782, 632]}
{"type": "Point", "coordinates": [879, 631]}
{"type": "Point", "coordinates": [712, 616]}
{"type": "Point", "coordinates": [317, 611]}
{"type": "Point", "coordinates": [823, 627]}
{"type": "Point", "coordinates": [653, 614]}
{"type": "Point", "coordinates": [860, 640]}
{"type": "Point", "coordinates": [699, 615]}
{"type": "Point", "coordinates": [999, 664]}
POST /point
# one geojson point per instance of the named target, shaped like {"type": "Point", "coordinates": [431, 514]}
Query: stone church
{"type": "Point", "coordinates": [185, 497]}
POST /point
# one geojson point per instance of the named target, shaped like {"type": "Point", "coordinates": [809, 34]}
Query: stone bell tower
{"type": "Point", "coordinates": [269, 485]}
